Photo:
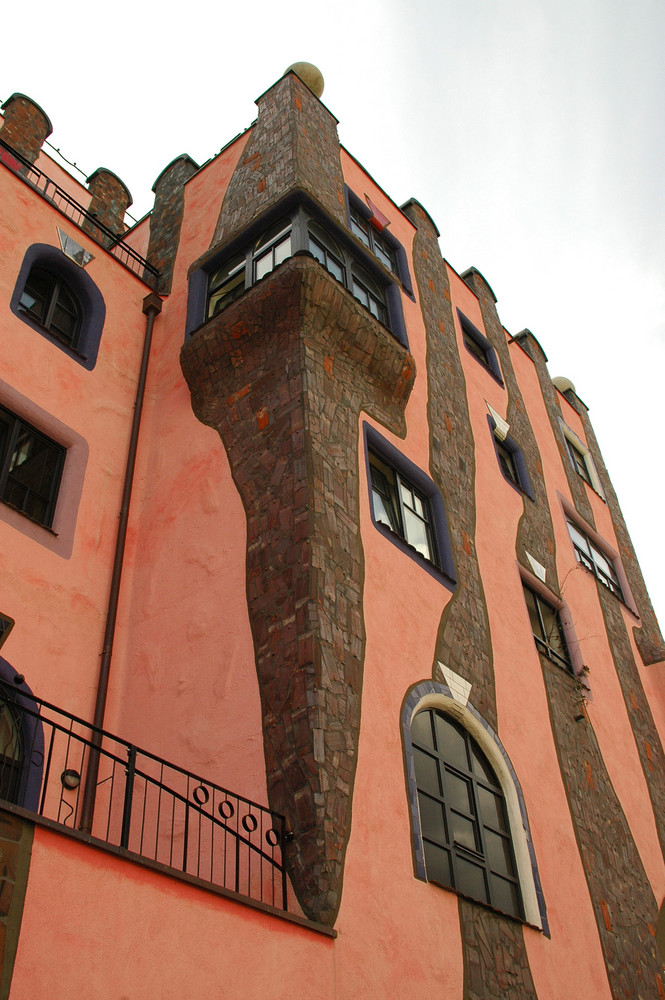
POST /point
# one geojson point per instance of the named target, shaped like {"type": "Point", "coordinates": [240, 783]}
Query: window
{"type": "Point", "coordinates": [323, 247]}
{"type": "Point", "coordinates": [60, 301]}
{"type": "Point", "coordinates": [51, 303]}
{"type": "Point", "coordinates": [272, 248]}
{"type": "Point", "coordinates": [226, 285]}
{"type": "Point", "coordinates": [407, 508]}
{"type": "Point", "coordinates": [581, 459]}
{"type": "Point", "coordinates": [511, 458]}
{"type": "Point", "coordinates": [31, 465]}
{"type": "Point", "coordinates": [507, 462]}
{"type": "Point", "coordinates": [226, 277]}
{"type": "Point", "coordinates": [373, 240]}
{"type": "Point", "coordinates": [463, 816]}
{"type": "Point", "coordinates": [402, 508]}
{"type": "Point", "coordinates": [478, 345]}
{"type": "Point", "coordinates": [547, 628]}
{"type": "Point", "coordinates": [590, 556]}
{"type": "Point", "coordinates": [579, 462]}
{"type": "Point", "coordinates": [368, 293]}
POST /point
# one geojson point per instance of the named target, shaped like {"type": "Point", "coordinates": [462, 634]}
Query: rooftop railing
{"type": "Point", "coordinates": [70, 208]}
{"type": "Point", "coordinates": [146, 808]}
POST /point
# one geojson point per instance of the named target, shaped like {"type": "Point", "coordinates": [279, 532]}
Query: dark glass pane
{"type": "Point", "coordinates": [505, 896]}
{"type": "Point", "coordinates": [498, 853]}
{"type": "Point", "coordinates": [490, 807]}
{"type": "Point", "coordinates": [421, 729]}
{"type": "Point", "coordinates": [63, 324]}
{"type": "Point", "coordinates": [37, 294]}
{"type": "Point", "coordinates": [226, 285]}
{"type": "Point", "coordinates": [432, 819]}
{"type": "Point", "coordinates": [507, 462]}
{"type": "Point", "coordinates": [530, 598]}
{"type": "Point", "coordinates": [457, 792]}
{"type": "Point", "coordinates": [450, 742]}
{"type": "Point", "coordinates": [481, 767]}
{"type": "Point", "coordinates": [464, 831]}
{"type": "Point", "coordinates": [470, 879]}
{"type": "Point", "coordinates": [475, 348]}
{"type": "Point", "coordinates": [427, 772]}
{"type": "Point", "coordinates": [437, 864]}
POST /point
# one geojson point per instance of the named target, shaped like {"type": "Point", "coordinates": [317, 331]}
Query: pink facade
{"type": "Point", "coordinates": [289, 624]}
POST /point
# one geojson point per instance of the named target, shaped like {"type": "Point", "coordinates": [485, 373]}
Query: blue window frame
{"type": "Point", "coordinates": [407, 507]}
{"type": "Point", "coordinates": [511, 462]}
{"type": "Point", "coordinates": [60, 301]}
{"type": "Point", "coordinates": [479, 346]}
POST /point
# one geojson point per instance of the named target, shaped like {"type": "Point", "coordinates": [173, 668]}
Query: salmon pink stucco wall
{"type": "Point", "coordinates": [184, 681]}
{"type": "Point", "coordinates": [571, 958]}
{"type": "Point", "coordinates": [58, 587]}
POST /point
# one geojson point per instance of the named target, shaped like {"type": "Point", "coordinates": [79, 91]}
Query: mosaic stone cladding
{"type": "Point", "coordinates": [283, 375]}
{"type": "Point", "coordinates": [494, 954]}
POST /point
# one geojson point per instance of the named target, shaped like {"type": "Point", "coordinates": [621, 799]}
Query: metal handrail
{"type": "Point", "coordinates": [145, 805]}
{"type": "Point", "coordinates": [70, 208]}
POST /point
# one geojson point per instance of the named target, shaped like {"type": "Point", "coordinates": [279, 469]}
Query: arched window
{"type": "Point", "coordinates": [61, 302]}
{"type": "Point", "coordinates": [463, 817]}
{"type": "Point", "coordinates": [49, 300]}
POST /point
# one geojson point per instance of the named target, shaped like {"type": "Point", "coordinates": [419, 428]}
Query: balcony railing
{"type": "Point", "coordinates": [70, 208]}
{"type": "Point", "coordinates": [146, 807]}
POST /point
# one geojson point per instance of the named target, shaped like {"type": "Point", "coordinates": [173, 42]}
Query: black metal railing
{"type": "Point", "coordinates": [69, 207]}
{"type": "Point", "coordinates": [145, 805]}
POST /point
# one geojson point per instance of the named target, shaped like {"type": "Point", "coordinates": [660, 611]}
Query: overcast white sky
{"type": "Point", "coordinates": [531, 130]}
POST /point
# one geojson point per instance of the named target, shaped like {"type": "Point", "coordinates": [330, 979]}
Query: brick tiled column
{"type": "Point", "coordinates": [25, 126]}
{"type": "Point", "coordinates": [109, 202]}
{"type": "Point", "coordinates": [283, 375]}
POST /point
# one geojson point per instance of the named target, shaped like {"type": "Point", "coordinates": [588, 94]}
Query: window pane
{"type": "Point", "coordinates": [437, 864]}
{"type": "Point", "coordinates": [450, 743]}
{"type": "Point", "coordinates": [464, 831]}
{"type": "Point", "coordinates": [578, 538]}
{"type": "Point", "coordinates": [427, 772]}
{"type": "Point", "coordinates": [530, 599]}
{"type": "Point", "coordinates": [505, 896]}
{"type": "Point", "coordinates": [470, 879]}
{"type": "Point", "coordinates": [457, 792]}
{"type": "Point", "coordinates": [263, 265]}
{"type": "Point", "coordinates": [416, 533]}
{"type": "Point", "coordinates": [421, 729]}
{"type": "Point", "coordinates": [283, 250]}
{"type": "Point", "coordinates": [491, 808]}
{"type": "Point", "coordinates": [481, 767]}
{"type": "Point", "coordinates": [360, 293]}
{"type": "Point", "coordinates": [498, 853]}
{"type": "Point", "coordinates": [432, 819]}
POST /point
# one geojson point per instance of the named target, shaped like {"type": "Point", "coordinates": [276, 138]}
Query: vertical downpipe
{"type": "Point", "coordinates": [152, 306]}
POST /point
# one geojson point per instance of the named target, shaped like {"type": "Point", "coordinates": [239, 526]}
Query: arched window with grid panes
{"type": "Point", "coordinates": [464, 823]}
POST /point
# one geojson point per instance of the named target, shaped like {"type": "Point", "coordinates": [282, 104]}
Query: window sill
{"type": "Point", "coordinates": [33, 520]}
{"type": "Point", "coordinates": [486, 906]}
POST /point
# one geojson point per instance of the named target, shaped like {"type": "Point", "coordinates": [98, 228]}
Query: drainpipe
{"type": "Point", "coordinates": [152, 306]}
